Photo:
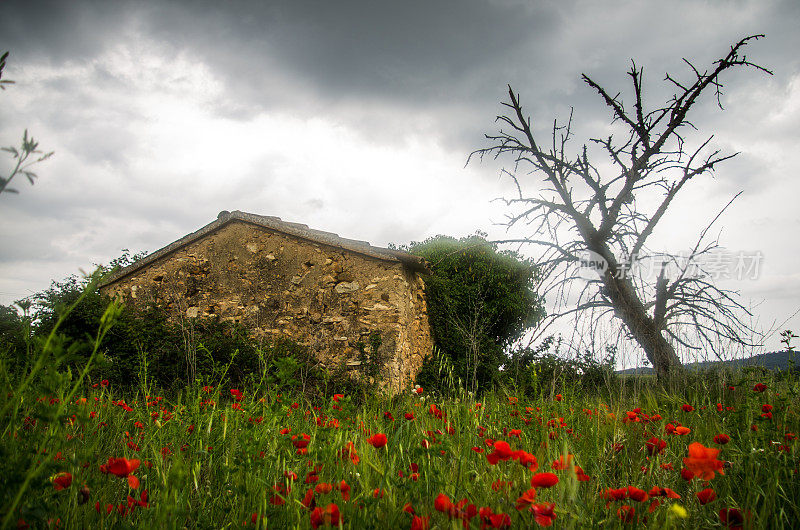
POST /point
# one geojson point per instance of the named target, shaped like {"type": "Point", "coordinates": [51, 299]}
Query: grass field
{"type": "Point", "coordinates": [84, 455]}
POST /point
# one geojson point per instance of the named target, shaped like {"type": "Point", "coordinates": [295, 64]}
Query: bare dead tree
{"type": "Point", "coordinates": [584, 210]}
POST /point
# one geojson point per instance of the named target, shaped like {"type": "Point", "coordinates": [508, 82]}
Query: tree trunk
{"type": "Point", "coordinates": [644, 329]}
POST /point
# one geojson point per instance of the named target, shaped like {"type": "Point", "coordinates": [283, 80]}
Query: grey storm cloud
{"type": "Point", "coordinates": [140, 100]}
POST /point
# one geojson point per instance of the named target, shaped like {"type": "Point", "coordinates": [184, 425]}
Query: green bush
{"type": "Point", "coordinates": [480, 302]}
{"type": "Point", "coordinates": [537, 371]}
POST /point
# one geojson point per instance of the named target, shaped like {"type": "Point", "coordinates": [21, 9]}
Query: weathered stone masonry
{"type": "Point", "coordinates": [283, 279]}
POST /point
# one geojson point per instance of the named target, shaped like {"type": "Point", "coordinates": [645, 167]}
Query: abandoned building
{"type": "Point", "coordinates": [281, 279]}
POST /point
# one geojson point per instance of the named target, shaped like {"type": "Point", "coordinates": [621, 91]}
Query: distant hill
{"type": "Point", "coordinates": [778, 360]}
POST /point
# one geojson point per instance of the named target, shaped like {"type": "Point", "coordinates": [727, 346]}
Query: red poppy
{"type": "Point", "coordinates": [280, 492]}
{"type": "Point", "coordinates": [62, 480]}
{"type": "Point", "coordinates": [636, 494]}
{"type": "Point", "coordinates": [442, 503]}
{"type": "Point", "coordinates": [559, 397]}
{"type": "Point", "coordinates": [759, 387]}
{"type": "Point", "coordinates": [323, 488]}
{"type": "Point", "coordinates": [377, 440]}
{"type": "Point", "coordinates": [612, 494]}
{"type": "Point", "coordinates": [544, 480]}
{"type": "Point", "coordinates": [121, 467]}
{"type": "Point", "coordinates": [237, 394]}
{"type": "Point", "coordinates": [526, 499]}
{"type": "Point", "coordinates": [687, 474]}
{"type": "Point", "coordinates": [722, 439]}
{"type": "Point", "coordinates": [731, 518]}
{"type": "Point", "coordinates": [302, 441]}
{"type": "Point", "coordinates": [559, 464]}
{"type": "Point", "coordinates": [687, 408]}
{"type": "Point", "coordinates": [544, 513]}
{"type": "Point", "coordinates": [420, 523]}
{"type": "Point", "coordinates": [328, 516]}
{"type": "Point", "coordinates": [702, 461]}
{"type": "Point", "coordinates": [526, 459]}
{"type": "Point", "coordinates": [502, 451]}
{"type": "Point", "coordinates": [500, 520]}
{"type": "Point", "coordinates": [344, 489]}
{"type": "Point", "coordinates": [682, 431]}
{"type": "Point", "coordinates": [349, 451]}
{"type": "Point", "coordinates": [626, 513]}
{"type": "Point", "coordinates": [655, 446]}
{"type": "Point", "coordinates": [656, 491]}
{"type": "Point", "coordinates": [706, 496]}
{"type": "Point", "coordinates": [308, 500]}
{"type": "Point", "coordinates": [409, 416]}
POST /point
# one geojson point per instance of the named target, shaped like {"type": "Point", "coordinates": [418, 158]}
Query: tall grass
{"type": "Point", "coordinates": [208, 460]}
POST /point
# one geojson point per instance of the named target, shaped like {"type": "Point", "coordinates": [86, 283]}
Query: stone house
{"type": "Point", "coordinates": [281, 279]}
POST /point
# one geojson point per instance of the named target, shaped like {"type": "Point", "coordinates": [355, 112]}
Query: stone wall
{"type": "Point", "coordinates": [324, 297]}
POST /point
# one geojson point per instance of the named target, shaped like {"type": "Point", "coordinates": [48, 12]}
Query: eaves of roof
{"type": "Point", "coordinates": [414, 263]}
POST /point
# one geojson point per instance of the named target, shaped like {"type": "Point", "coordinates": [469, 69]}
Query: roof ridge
{"type": "Point", "coordinates": [298, 230]}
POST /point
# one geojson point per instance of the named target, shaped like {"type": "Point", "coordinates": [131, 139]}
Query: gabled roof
{"type": "Point", "coordinates": [415, 263]}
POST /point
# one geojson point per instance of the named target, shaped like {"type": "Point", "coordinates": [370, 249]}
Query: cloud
{"type": "Point", "coordinates": [357, 117]}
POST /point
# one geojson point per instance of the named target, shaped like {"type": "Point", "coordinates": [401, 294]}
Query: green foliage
{"type": "Point", "coordinates": [480, 302]}
{"type": "Point", "coordinates": [13, 331]}
{"type": "Point", "coordinates": [534, 371]}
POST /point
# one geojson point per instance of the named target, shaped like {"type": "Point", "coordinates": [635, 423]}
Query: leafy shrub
{"type": "Point", "coordinates": [536, 371]}
{"type": "Point", "coordinates": [480, 301]}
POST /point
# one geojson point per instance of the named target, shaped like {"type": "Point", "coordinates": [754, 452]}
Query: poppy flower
{"type": "Point", "coordinates": [62, 480]}
{"type": "Point", "coordinates": [722, 439]}
{"type": "Point", "coordinates": [559, 464]}
{"type": "Point", "coordinates": [687, 408]}
{"type": "Point", "coordinates": [344, 489]}
{"type": "Point", "coordinates": [409, 416]}
{"type": "Point", "coordinates": [636, 494]}
{"type": "Point", "coordinates": [308, 500]}
{"type": "Point", "coordinates": [559, 397]}
{"type": "Point", "coordinates": [323, 488]}
{"type": "Point", "coordinates": [502, 451]}
{"type": "Point", "coordinates": [302, 441]}
{"type": "Point", "coordinates": [656, 491]}
{"type": "Point", "coordinates": [731, 518]}
{"type": "Point", "coordinates": [614, 494]}
{"type": "Point", "coordinates": [500, 520]}
{"type": "Point", "coordinates": [349, 451]}
{"type": "Point", "coordinates": [706, 496]}
{"type": "Point", "coordinates": [281, 491]}
{"type": "Point", "coordinates": [544, 480]}
{"type": "Point", "coordinates": [121, 467]}
{"type": "Point", "coordinates": [420, 523]}
{"type": "Point", "coordinates": [442, 503]}
{"type": "Point", "coordinates": [687, 474]}
{"type": "Point", "coordinates": [759, 387]}
{"type": "Point", "coordinates": [702, 461]}
{"type": "Point", "coordinates": [544, 513]}
{"type": "Point", "coordinates": [377, 440]}
{"type": "Point", "coordinates": [682, 431]}
{"type": "Point", "coordinates": [655, 446]}
{"type": "Point", "coordinates": [526, 460]}
{"type": "Point", "coordinates": [237, 394]}
{"type": "Point", "coordinates": [626, 513]}
{"type": "Point", "coordinates": [328, 516]}
{"type": "Point", "coordinates": [526, 499]}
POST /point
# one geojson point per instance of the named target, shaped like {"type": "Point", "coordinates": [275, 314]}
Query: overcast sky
{"type": "Point", "coordinates": [358, 117]}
